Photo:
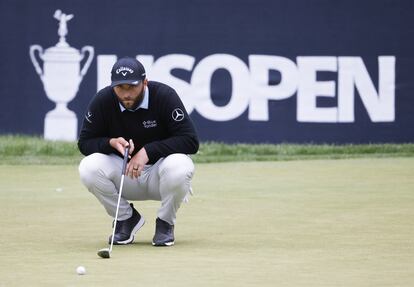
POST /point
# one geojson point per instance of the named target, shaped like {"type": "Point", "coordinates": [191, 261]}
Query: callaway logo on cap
{"type": "Point", "coordinates": [127, 70]}
{"type": "Point", "coordinates": [124, 71]}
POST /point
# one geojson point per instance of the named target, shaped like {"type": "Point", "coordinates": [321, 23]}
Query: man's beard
{"type": "Point", "coordinates": [133, 106]}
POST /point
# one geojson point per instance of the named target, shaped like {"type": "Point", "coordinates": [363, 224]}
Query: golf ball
{"type": "Point", "coordinates": [81, 270]}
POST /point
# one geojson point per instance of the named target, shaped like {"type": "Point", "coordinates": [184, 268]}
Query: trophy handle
{"type": "Point", "coordinates": [88, 61]}
{"type": "Point", "coordinates": [38, 48]}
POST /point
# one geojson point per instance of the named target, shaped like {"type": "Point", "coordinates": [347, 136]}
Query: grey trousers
{"type": "Point", "coordinates": [168, 181]}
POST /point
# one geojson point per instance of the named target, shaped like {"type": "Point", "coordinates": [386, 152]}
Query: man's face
{"type": "Point", "coordinates": [130, 95]}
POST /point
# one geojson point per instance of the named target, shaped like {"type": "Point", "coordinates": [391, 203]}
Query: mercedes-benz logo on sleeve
{"type": "Point", "coordinates": [177, 115]}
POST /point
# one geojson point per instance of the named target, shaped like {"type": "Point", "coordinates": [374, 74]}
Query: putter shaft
{"type": "Point", "coordinates": [106, 253]}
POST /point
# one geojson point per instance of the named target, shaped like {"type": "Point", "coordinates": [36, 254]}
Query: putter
{"type": "Point", "coordinates": [106, 252]}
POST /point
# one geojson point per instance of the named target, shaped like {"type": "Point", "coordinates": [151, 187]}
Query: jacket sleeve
{"type": "Point", "coordinates": [182, 134]}
{"type": "Point", "coordinates": [93, 136]}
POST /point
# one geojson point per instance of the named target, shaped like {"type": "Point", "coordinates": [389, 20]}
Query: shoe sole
{"type": "Point", "coordinates": [137, 227]}
{"type": "Point", "coordinates": [171, 243]}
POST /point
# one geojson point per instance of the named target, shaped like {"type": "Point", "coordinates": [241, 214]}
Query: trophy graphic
{"type": "Point", "coordinates": [61, 76]}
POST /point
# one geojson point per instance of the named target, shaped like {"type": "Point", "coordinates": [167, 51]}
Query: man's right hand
{"type": "Point", "coordinates": [120, 144]}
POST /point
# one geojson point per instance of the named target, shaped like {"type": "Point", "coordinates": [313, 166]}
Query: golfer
{"type": "Point", "coordinates": [150, 118]}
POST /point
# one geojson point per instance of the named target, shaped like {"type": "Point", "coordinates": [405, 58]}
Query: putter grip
{"type": "Point", "coordinates": [124, 164]}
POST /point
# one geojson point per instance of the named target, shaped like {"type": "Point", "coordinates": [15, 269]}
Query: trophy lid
{"type": "Point", "coordinates": [62, 54]}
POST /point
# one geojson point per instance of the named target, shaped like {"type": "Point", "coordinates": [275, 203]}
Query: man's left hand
{"type": "Point", "coordinates": [137, 163]}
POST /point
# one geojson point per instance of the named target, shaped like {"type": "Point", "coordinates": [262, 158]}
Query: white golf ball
{"type": "Point", "coordinates": [81, 270]}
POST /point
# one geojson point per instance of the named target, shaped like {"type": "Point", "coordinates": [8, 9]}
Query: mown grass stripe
{"type": "Point", "coordinates": [19, 149]}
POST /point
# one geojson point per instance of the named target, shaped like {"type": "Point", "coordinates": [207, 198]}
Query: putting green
{"type": "Point", "coordinates": [298, 223]}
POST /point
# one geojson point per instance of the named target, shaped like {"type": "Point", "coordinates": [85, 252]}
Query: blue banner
{"type": "Point", "coordinates": [250, 71]}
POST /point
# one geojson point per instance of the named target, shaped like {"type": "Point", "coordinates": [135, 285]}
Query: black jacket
{"type": "Point", "coordinates": [163, 129]}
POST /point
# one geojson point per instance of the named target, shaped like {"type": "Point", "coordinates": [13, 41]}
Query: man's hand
{"type": "Point", "coordinates": [137, 163]}
{"type": "Point", "coordinates": [120, 144]}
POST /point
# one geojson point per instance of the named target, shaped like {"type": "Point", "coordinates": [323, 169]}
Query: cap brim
{"type": "Point", "coordinates": [123, 82]}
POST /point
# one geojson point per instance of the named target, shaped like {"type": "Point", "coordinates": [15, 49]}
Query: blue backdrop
{"type": "Point", "coordinates": [248, 71]}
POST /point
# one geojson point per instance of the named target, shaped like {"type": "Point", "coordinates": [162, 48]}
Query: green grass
{"type": "Point", "coordinates": [288, 223]}
{"type": "Point", "coordinates": [34, 150]}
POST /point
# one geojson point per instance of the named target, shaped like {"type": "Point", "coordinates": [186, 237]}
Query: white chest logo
{"type": "Point", "coordinates": [177, 115]}
{"type": "Point", "coordinates": [149, 124]}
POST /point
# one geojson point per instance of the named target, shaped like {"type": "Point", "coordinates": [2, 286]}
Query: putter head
{"type": "Point", "coordinates": [104, 253]}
